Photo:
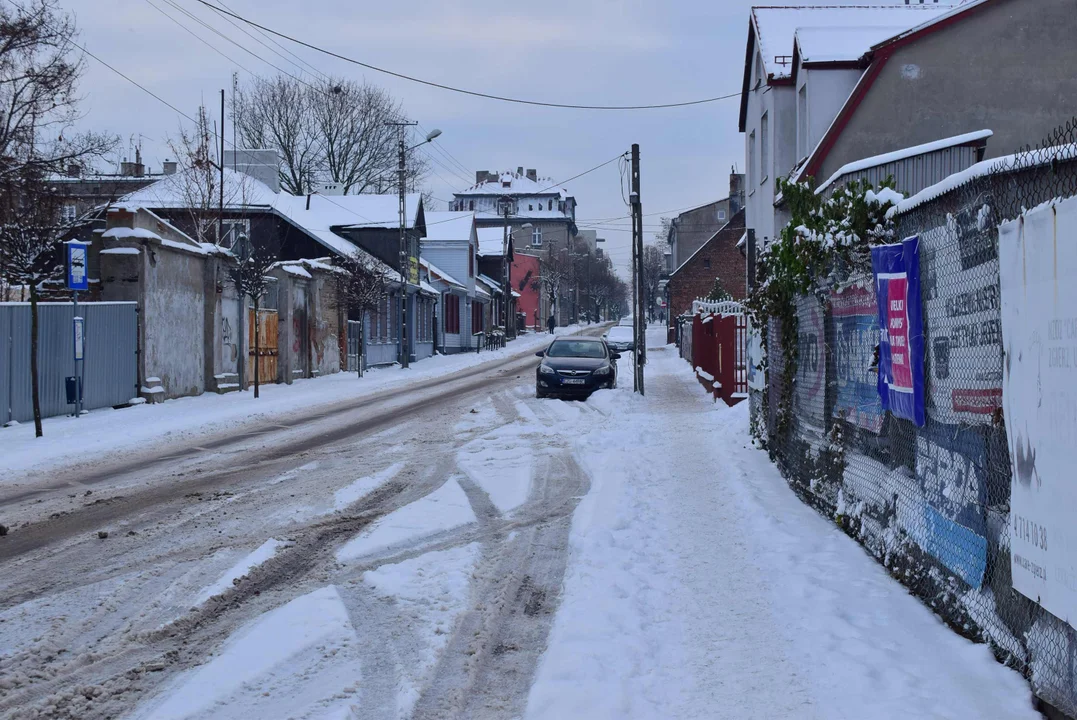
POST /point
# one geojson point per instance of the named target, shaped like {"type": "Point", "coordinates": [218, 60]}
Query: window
{"type": "Point", "coordinates": [470, 261]}
{"type": "Point", "coordinates": [476, 317]}
{"type": "Point", "coordinates": [802, 122]}
{"type": "Point", "coordinates": [452, 313]}
{"type": "Point", "coordinates": [721, 214]}
{"type": "Point", "coordinates": [69, 213]}
{"type": "Point", "coordinates": [531, 207]}
{"type": "Point", "coordinates": [536, 237]}
{"type": "Point", "coordinates": [471, 205]}
{"type": "Point", "coordinates": [231, 230]}
{"type": "Point", "coordinates": [751, 158]}
{"type": "Point", "coordinates": [706, 263]}
{"type": "Point", "coordinates": [549, 205]}
{"type": "Point", "coordinates": [764, 150]}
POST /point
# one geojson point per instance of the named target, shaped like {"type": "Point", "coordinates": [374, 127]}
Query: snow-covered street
{"type": "Point", "coordinates": [477, 554]}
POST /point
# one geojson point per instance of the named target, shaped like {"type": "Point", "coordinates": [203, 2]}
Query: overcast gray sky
{"type": "Point", "coordinates": [584, 52]}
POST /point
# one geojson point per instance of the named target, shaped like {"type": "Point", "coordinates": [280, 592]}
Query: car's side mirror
{"type": "Point", "coordinates": [616, 356]}
{"type": "Point", "coordinates": [540, 353]}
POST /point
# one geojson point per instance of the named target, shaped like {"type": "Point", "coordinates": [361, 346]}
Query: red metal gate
{"type": "Point", "coordinates": [720, 352]}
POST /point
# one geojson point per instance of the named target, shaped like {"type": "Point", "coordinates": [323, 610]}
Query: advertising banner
{"type": "Point", "coordinates": [757, 379]}
{"type": "Point", "coordinates": [961, 311]}
{"type": "Point", "coordinates": [1038, 259]}
{"type": "Point", "coordinates": [809, 394]}
{"type": "Point", "coordinates": [901, 336]}
{"type": "Point", "coordinates": [856, 335]}
{"type": "Point", "coordinates": [951, 463]}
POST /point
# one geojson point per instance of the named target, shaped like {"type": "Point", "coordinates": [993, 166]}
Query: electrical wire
{"type": "Point", "coordinates": [199, 38]}
{"type": "Point", "coordinates": [316, 72]}
{"type": "Point", "coordinates": [473, 93]}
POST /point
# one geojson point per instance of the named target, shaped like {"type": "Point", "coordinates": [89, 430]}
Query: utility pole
{"type": "Point", "coordinates": [405, 251]}
{"type": "Point", "coordinates": [506, 290]}
{"type": "Point", "coordinates": [640, 321]}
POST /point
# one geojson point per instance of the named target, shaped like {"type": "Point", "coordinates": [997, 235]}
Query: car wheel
{"type": "Point", "coordinates": [540, 395]}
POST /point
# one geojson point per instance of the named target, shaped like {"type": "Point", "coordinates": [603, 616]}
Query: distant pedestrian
{"type": "Point", "coordinates": [551, 323]}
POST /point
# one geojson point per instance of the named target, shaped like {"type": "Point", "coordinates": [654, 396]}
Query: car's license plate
{"type": "Point", "coordinates": [575, 381]}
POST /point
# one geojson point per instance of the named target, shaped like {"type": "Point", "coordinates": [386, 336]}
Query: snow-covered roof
{"type": "Point", "coordinates": [511, 183]}
{"type": "Point", "coordinates": [523, 213]}
{"type": "Point", "coordinates": [449, 225]}
{"type": "Point", "coordinates": [491, 241]}
{"type": "Point", "coordinates": [440, 274]}
{"type": "Point", "coordinates": [958, 9]}
{"type": "Point", "coordinates": [987, 167]}
{"type": "Point", "coordinates": [177, 191]}
{"type": "Point", "coordinates": [841, 44]}
{"type": "Point", "coordinates": [904, 154]}
{"type": "Point", "coordinates": [776, 27]}
{"type": "Point", "coordinates": [367, 211]}
{"type": "Point", "coordinates": [494, 285]}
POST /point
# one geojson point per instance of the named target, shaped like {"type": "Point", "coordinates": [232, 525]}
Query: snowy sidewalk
{"type": "Point", "coordinates": [699, 586]}
{"type": "Point", "coordinates": [136, 429]}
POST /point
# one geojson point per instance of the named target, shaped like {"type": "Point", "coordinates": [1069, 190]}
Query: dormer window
{"type": "Point", "coordinates": [550, 205]}
{"type": "Point", "coordinates": [471, 205]}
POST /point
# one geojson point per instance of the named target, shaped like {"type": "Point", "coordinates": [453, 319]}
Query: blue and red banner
{"type": "Point", "coordinates": [901, 337]}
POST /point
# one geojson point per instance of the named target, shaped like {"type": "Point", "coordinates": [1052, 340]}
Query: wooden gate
{"type": "Point", "coordinates": [267, 346]}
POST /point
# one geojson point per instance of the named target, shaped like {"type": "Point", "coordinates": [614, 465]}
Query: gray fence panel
{"type": "Point", "coordinates": [110, 372]}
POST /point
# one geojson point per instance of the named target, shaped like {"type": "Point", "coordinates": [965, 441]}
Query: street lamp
{"type": "Point", "coordinates": [405, 250]}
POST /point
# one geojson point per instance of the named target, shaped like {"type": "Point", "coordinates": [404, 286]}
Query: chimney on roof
{"type": "Point", "coordinates": [520, 171]}
{"type": "Point", "coordinates": [532, 175]}
{"type": "Point", "coordinates": [168, 167]}
{"type": "Point", "coordinates": [736, 193]}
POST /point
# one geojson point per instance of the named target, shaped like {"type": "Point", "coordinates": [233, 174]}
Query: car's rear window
{"type": "Point", "coordinates": [620, 333]}
{"type": "Point", "coordinates": [576, 348]}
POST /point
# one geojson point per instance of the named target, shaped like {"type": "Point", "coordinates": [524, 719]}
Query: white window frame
{"type": "Point", "coordinates": [536, 237]}
{"type": "Point", "coordinates": [69, 213]}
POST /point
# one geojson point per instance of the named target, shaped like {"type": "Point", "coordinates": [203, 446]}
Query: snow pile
{"type": "Point", "coordinates": [500, 464]}
{"type": "Point", "coordinates": [291, 660]}
{"type": "Point", "coordinates": [430, 593]}
{"type": "Point", "coordinates": [240, 570]}
{"type": "Point", "coordinates": [356, 491]}
{"type": "Point", "coordinates": [444, 509]}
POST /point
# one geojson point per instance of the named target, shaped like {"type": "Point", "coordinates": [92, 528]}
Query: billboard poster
{"type": "Point", "coordinates": [757, 379]}
{"type": "Point", "coordinates": [901, 335]}
{"type": "Point", "coordinates": [856, 335]}
{"type": "Point", "coordinates": [961, 310]}
{"type": "Point", "coordinates": [1038, 258]}
{"type": "Point", "coordinates": [951, 463]}
{"type": "Point", "coordinates": [809, 394]}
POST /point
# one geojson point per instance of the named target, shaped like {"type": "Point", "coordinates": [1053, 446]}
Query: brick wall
{"type": "Point", "coordinates": [719, 258]}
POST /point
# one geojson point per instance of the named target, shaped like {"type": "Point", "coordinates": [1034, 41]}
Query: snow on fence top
{"type": "Point", "coordinates": [1007, 163]}
{"type": "Point", "coordinates": [724, 307]}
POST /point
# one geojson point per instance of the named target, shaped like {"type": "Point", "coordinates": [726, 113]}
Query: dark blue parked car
{"type": "Point", "coordinates": [575, 366]}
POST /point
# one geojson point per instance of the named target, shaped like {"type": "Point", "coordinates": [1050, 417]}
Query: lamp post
{"type": "Point", "coordinates": [405, 250]}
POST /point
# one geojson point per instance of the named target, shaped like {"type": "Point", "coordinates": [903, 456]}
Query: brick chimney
{"type": "Point", "coordinates": [736, 193]}
{"type": "Point", "coordinates": [532, 175]}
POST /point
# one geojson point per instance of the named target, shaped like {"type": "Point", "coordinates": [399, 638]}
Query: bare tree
{"type": "Point", "coordinates": [275, 113]}
{"type": "Point", "coordinates": [250, 275]}
{"type": "Point", "coordinates": [654, 267]}
{"type": "Point", "coordinates": [39, 73]}
{"type": "Point", "coordinates": [360, 287]}
{"type": "Point", "coordinates": [31, 249]}
{"type": "Point", "coordinates": [331, 130]}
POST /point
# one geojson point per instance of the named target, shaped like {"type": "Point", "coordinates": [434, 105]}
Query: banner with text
{"type": "Point", "coordinates": [901, 336]}
{"type": "Point", "coordinates": [856, 335]}
{"type": "Point", "coordinates": [1038, 258]}
{"type": "Point", "coordinates": [961, 310]}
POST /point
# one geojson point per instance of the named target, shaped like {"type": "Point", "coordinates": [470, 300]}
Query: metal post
{"type": "Point", "coordinates": [506, 291]}
{"type": "Point", "coordinates": [637, 256]}
{"type": "Point", "coordinates": [78, 362]}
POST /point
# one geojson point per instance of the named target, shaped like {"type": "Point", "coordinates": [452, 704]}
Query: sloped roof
{"type": "Point", "coordinates": [738, 217]}
{"type": "Point", "coordinates": [449, 225]}
{"type": "Point", "coordinates": [841, 44]}
{"type": "Point", "coordinates": [517, 185]}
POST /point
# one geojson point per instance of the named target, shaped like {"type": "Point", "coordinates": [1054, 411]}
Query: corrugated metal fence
{"type": "Point", "coordinates": [110, 369]}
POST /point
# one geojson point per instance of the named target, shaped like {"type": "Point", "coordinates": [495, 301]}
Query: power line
{"type": "Point", "coordinates": [462, 91]}
{"type": "Point", "coordinates": [282, 47]}
{"type": "Point", "coordinates": [207, 43]}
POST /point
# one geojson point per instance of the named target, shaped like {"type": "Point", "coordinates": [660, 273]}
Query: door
{"type": "Point", "coordinates": [266, 354]}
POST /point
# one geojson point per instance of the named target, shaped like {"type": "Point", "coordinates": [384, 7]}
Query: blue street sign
{"type": "Point", "coordinates": [77, 277]}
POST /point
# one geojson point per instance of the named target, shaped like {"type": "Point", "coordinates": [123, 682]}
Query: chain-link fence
{"type": "Point", "coordinates": [931, 503]}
